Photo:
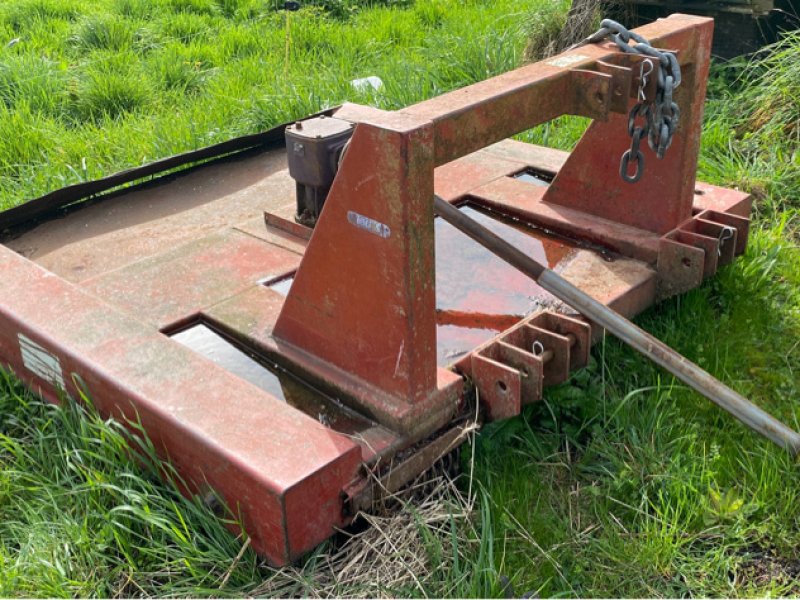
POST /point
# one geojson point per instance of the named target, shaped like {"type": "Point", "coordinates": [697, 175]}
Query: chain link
{"type": "Point", "coordinates": [637, 132]}
{"type": "Point", "coordinates": [661, 115]}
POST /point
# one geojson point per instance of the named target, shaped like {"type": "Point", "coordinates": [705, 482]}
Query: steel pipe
{"type": "Point", "coordinates": [661, 354]}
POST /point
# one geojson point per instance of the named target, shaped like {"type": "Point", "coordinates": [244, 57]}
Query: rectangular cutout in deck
{"type": "Point", "coordinates": [280, 285]}
{"type": "Point", "coordinates": [276, 381]}
{"type": "Point", "coordinates": [535, 177]}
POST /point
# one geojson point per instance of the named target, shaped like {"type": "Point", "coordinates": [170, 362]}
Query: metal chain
{"type": "Point", "coordinates": [660, 116]}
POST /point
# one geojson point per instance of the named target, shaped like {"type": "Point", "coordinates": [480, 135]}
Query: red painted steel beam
{"type": "Point", "coordinates": [473, 117]}
{"type": "Point", "coordinates": [282, 472]}
{"type": "Point", "coordinates": [363, 299]}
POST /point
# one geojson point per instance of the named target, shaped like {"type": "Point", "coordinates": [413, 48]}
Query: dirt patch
{"type": "Point", "coordinates": [764, 566]}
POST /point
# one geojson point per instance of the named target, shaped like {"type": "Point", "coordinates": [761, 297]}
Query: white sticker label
{"type": "Point", "coordinates": [40, 362]}
{"type": "Point", "coordinates": [368, 224]}
{"type": "Point", "coordinates": [565, 61]}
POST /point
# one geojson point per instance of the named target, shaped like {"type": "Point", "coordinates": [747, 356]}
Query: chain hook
{"type": "Point", "coordinates": [726, 234]}
{"type": "Point", "coordinates": [643, 78]}
{"type": "Point", "coordinates": [661, 113]}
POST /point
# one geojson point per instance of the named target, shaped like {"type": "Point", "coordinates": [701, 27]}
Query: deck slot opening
{"type": "Point", "coordinates": [246, 363]}
{"type": "Point", "coordinates": [534, 176]}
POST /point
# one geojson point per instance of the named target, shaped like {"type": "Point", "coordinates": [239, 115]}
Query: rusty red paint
{"type": "Point", "coordinates": [165, 289]}
{"type": "Point", "coordinates": [363, 298]}
{"type": "Point", "coordinates": [367, 306]}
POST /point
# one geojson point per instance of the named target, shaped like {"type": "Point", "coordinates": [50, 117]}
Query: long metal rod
{"type": "Point", "coordinates": [661, 354]}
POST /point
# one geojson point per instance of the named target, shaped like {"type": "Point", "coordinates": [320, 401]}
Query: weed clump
{"type": "Point", "coordinates": [186, 27]}
{"type": "Point", "coordinates": [772, 91]}
{"type": "Point", "coordinates": [178, 69]}
{"type": "Point", "coordinates": [109, 89]}
{"type": "Point", "coordinates": [104, 33]}
{"type": "Point", "coordinates": [35, 81]}
{"type": "Point", "coordinates": [24, 15]}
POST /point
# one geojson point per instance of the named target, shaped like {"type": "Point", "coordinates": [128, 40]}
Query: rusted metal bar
{"type": "Point", "coordinates": [664, 356]}
{"type": "Point", "coordinates": [404, 471]}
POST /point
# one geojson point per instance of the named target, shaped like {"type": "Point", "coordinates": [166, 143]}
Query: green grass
{"type": "Point", "coordinates": [623, 483]}
{"type": "Point", "coordinates": [158, 77]}
{"type": "Point", "coordinates": [752, 133]}
{"type": "Point", "coordinates": [626, 469]}
{"type": "Point", "coordinates": [82, 517]}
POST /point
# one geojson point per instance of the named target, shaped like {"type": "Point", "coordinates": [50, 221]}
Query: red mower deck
{"type": "Point", "coordinates": [295, 370]}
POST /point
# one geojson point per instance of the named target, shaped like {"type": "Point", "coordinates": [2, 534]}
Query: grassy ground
{"type": "Point", "coordinates": [622, 484]}
{"type": "Point", "coordinates": [98, 86]}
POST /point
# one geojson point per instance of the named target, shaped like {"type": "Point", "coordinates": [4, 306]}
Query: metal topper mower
{"type": "Point", "coordinates": [299, 333]}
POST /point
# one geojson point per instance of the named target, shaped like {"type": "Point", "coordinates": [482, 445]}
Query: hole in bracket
{"type": "Point", "coordinates": [501, 386]}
